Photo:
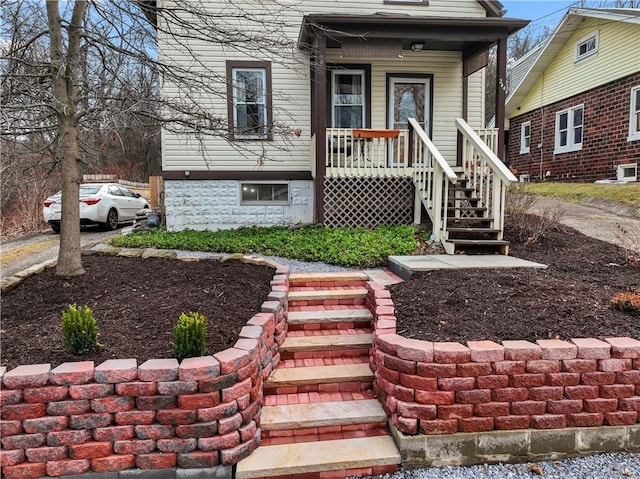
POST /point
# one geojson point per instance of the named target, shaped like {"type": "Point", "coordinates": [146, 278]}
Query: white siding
{"type": "Point", "coordinates": [475, 99]}
{"type": "Point", "coordinates": [446, 68]}
{"type": "Point", "coordinates": [617, 57]}
{"type": "Point", "coordinates": [291, 88]}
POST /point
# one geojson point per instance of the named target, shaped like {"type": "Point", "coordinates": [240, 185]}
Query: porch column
{"type": "Point", "coordinates": [501, 86]}
{"type": "Point", "coordinates": [319, 112]}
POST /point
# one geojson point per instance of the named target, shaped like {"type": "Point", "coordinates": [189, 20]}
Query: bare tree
{"type": "Point", "coordinates": [77, 74]}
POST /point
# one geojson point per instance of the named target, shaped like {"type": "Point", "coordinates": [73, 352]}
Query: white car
{"type": "Point", "coordinates": [104, 204]}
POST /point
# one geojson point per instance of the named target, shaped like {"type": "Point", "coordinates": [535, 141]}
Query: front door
{"type": "Point", "coordinates": [408, 97]}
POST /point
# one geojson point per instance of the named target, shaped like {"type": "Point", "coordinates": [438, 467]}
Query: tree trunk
{"type": "Point", "coordinates": [64, 71]}
{"type": "Point", "coordinates": [69, 255]}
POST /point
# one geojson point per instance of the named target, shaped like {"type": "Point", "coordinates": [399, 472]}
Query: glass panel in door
{"type": "Point", "coordinates": [408, 98]}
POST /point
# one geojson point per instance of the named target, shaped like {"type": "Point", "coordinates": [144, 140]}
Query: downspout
{"type": "Point", "coordinates": [320, 113]}
{"type": "Point", "coordinates": [541, 144]}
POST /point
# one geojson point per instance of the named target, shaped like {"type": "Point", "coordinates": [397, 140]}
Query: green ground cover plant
{"type": "Point", "coordinates": [359, 247]}
{"type": "Point", "coordinates": [628, 194]}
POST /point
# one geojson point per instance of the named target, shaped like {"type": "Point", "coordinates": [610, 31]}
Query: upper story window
{"type": "Point", "coordinates": [569, 125]}
{"type": "Point", "coordinates": [586, 46]}
{"type": "Point", "coordinates": [249, 100]}
{"type": "Point", "coordinates": [348, 100]}
{"type": "Point", "coordinates": [525, 137]}
{"type": "Point", "coordinates": [634, 115]}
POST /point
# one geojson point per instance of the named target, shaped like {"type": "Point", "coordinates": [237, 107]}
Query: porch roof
{"type": "Point", "coordinates": [468, 35]}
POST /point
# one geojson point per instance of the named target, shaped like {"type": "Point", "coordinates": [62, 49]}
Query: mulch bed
{"type": "Point", "coordinates": [136, 303]}
{"type": "Point", "coordinates": [569, 299]}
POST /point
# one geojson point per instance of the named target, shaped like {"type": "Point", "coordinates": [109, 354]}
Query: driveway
{"type": "Point", "coordinates": [18, 255]}
{"type": "Point", "coordinates": [604, 221]}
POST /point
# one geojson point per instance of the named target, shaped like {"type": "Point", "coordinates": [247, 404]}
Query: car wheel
{"type": "Point", "coordinates": [112, 220]}
{"type": "Point", "coordinates": [55, 228]}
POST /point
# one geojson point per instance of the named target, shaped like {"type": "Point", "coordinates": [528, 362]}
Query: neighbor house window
{"type": "Point", "coordinates": [586, 46]}
{"type": "Point", "coordinates": [525, 137]}
{"type": "Point", "coordinates": [569, 129]}
{"type": "Point", "coordinates": [249, 100]}
{"type": "Point", "coordinates": [628, 172]}
{"type": "Point", "coordinates": [348, 100]}
{"type": "Point", "coordinates": [634, 115]}
{"type": "Point", "coordinates": [271, 193]}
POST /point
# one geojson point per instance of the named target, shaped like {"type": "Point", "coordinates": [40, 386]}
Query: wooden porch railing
{"type": "Point", "coordinates": [485, 173]}
{"type": "Point", "coordinates": [432, 176]}
{"type": "Point", "coordinates": [367, 152]}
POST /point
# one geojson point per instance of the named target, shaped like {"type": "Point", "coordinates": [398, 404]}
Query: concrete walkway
{"type": "Point", "coordinates": [405, 266]}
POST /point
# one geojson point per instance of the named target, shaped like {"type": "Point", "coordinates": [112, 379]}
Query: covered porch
{"type": "Point", "coordinates": [395, 122]}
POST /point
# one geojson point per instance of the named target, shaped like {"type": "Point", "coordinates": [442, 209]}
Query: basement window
{"type": "Point", "coordinates": [628, 172]}
{"type": "Point", "coordinates": [264, 193]}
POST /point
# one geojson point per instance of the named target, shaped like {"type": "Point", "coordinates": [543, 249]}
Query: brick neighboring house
{"type": "Point", "coordinates": [574, 108]}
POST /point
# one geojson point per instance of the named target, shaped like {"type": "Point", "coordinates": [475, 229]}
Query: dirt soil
{"type": "Point", "coordinates": [136, 303]}
{"type": "Point", "coordinates": [569, 299]}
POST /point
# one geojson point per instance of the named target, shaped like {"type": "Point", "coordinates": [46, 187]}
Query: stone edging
{"type": "Point", "coordinates": [443, 389]}
{"type": "Point", "coordinates": [192, 419]}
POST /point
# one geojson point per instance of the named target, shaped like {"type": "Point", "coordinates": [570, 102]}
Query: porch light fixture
{"type": "Point", "coordinates": [417, 47]}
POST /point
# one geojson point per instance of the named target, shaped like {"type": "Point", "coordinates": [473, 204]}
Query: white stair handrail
{"type": "Point", "coordinates": [446, 169]}
{"type": "Point", "coordinates": [492, 159]}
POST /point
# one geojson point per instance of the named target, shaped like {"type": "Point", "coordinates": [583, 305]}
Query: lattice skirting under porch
{"type": "Point", "coordinates": [370, 202]}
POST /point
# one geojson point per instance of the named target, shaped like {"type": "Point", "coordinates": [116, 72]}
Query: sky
{"type": "Point", "coordinates": [548, 12]}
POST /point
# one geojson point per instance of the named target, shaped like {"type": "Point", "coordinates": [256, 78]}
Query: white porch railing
{"type": "Point", "coordinates": [490, 137]}
{"type": "Point", "coordinates": [486, 173]}
{"type": "Point", "coordinates": [367, 153]}
{"type": "Point", "coordinates": [432, 176]}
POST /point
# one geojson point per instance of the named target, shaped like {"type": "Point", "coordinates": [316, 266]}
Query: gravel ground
{"type": "Point", "coordinates": [600, 466]}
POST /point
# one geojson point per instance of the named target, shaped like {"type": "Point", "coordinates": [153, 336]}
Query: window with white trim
{"type": "Point", "coordinates": [569, 125]}
{"type": "Point", "coordinates": [525, 137]}
{"type": "Point", "coordinates": [586, 46]}
{"type": "Point", "coordinates": [634, 115]}
{"type": "Point", "coordinates": [249, 99]}
{"type": "Point", "coordinates": [348, 98]}
{"type": "Point", "coordinates": [628, 172]}
{"type": "Point", "coordinates": [261, 193]}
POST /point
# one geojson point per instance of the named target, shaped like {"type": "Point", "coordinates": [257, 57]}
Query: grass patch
{"type": "Point", "coordinates": [628, 194]}
{"type": "Point", "coordinates": [358, 247]}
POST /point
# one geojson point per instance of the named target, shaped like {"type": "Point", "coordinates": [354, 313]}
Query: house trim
{"type": "Point", "coordinates": [251, 175]}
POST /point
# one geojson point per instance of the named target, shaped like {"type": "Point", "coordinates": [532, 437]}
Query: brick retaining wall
{"type": "Point", "coordinates": [201, 413]}
{"type": "Point", "coordinates": [444, 388]}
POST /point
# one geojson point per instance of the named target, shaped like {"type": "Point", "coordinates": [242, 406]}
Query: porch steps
{"type": "Point", "coordinates": [467, 230]}
{"type": "Point", "coordinates": [322, 390]}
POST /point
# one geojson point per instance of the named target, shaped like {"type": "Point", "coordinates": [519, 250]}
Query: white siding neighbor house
{"type": "Point", "coordinates": [378, 99]}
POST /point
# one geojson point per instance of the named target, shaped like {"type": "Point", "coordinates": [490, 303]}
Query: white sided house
{"type": "Point", "coordinates": [384, 104]}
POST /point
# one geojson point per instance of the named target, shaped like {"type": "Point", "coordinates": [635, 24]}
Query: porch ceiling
{"type": "Point", "coordinates": [468, 35]}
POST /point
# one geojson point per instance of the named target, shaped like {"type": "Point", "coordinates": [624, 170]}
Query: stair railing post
{"type": "Point", "coordinates": [438, 206]}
